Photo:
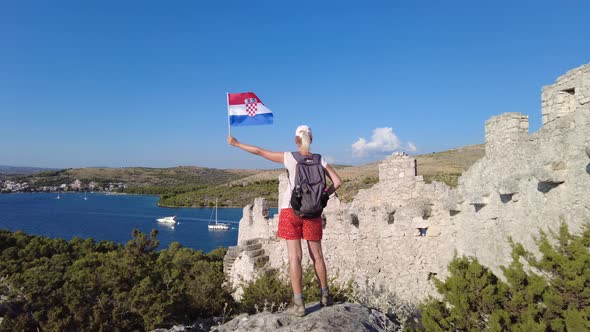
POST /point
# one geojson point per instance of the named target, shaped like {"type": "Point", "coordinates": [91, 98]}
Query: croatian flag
{"type": "Point", "coordinates": [246, 109]}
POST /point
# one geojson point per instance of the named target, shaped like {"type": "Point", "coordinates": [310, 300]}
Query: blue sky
{"type": "Point", "coordinates": [143, 83]}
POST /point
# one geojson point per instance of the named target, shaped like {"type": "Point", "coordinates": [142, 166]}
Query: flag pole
{"type": "Point", "coordinates": [228, 124]}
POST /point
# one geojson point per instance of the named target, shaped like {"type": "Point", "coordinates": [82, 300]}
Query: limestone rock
{"type": "Point", "coordinates": [201, 325]}
{"type": "Point", "coordinates": [245, 262]}
{"type": "Point", "coordinates": [176, 328]}
{"type": "Point", "coordinates": [339, 317]}
{"type": "Point", "coordinates": [509, 185]}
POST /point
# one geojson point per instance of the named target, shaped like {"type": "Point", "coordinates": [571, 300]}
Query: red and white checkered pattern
{"type": "Point", "coordinates": [251, 108]}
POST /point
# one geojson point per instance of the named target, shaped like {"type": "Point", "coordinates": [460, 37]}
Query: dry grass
{"type": "Point", "coordinates": [447, 166]}
{"type": "Point", "coordinates": [450, 161]}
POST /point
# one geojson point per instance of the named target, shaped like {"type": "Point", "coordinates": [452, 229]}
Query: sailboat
{"type": "Point", "coordinates": [85, 198]}
{"type": "Point", "coordinates": [217, 225]}
{"type": "Point", "coordinates": [58, 195]}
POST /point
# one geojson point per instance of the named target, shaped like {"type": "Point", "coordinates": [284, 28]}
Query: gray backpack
{"type": "Point", "coordinates": [308, 197]}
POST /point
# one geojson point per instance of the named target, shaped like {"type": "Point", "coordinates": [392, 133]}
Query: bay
{"type": "Point", "coordinates": [113, 217]}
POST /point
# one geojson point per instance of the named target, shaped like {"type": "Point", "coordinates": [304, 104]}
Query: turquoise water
{"type": "Point", "coordinates": [113, 217]}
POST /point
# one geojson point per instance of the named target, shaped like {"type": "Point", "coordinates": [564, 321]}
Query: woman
{"type": "Point", "coordinates": [293, 228]}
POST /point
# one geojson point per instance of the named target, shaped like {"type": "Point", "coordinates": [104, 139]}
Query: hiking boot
{"type": "Point", "coordinates": [326, 300]}
{"type": "Point", "coordinates": [296, 309]}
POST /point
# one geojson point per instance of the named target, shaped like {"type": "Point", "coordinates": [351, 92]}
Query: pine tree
{"type": "Point", "coordinates": [547, 294]}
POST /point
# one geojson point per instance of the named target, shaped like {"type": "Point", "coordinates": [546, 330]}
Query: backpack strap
{"type": "Point", "coordinates": [317, 158]}
{"type": "Point", "coordinates": [299, 158]}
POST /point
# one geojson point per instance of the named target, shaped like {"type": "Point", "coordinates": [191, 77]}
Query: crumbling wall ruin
{"type": "Point", "coordinates": [402, 231]}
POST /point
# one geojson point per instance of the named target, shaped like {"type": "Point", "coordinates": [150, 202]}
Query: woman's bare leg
{"type": "Point", "coordinates": [295, 254]}
{"type": "Point", "coordinates": [317, 277]}
{"type": "Point", "coordinates": [317, 257]}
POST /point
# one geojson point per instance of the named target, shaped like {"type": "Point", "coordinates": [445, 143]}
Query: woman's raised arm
{"type": "Point", "coordinates": [277, 157]}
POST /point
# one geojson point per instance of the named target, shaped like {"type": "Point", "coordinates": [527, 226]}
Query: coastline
{"type": "Point", "coordinates": [75, 192]}
{"type": "Point", "coordinates": [112, 218]}
{"type": "Point", "coordinates": [125, 194]}
{"type": "Point", "coordinates": [204, 207]}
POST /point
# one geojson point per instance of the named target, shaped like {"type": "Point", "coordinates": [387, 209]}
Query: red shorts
{"type": "Point", "coordinates": [292, 227]}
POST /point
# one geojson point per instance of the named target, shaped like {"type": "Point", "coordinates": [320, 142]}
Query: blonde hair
{"type": "Point", "coordinates": [305, 141]}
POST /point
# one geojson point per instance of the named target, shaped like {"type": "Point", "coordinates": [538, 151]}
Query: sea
{"type": "Point", "coordinates": [113, 217]}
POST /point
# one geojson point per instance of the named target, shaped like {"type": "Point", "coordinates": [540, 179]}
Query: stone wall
{"type": "Point", "coordinates": [523, 184]}
{"type": "Point", "coordinates": [570, 92]}
{"type": "Point", "coordinates": [504, 132]}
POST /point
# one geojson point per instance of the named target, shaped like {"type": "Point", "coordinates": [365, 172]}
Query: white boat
{"type": "Point", "coordinates": [167, 220]}
{"type": "Point", "coordinates": [85, 198]}
{"type": "Point", "coordinates": [217, 226]}
{"type": "Point", "coordinates": [58, 195]}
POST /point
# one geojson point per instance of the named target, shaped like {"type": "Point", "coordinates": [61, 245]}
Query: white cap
{"type": "Point", "coordinates": [303, 129]}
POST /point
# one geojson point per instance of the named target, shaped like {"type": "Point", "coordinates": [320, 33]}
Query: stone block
{"type": "Point", "coordinates": [544, 174]}
{"type": "Point", "coordinates": [396, 167]}
{"type": "Point", "coordinates": [508, 186]}
{"type": "Point", "coordinates": [255, 253]}
{"type": "Point", "coordinates": [261, 208]}
{"type": "Point", "coordinates": [478, 198]}
{"type": "Point", "coordinates": [259, 261]}
{"type": "Point", "coordinates": [503, 130]}
{"type": "Point", "coordinates": [251, 241]}
{"type": "Point", "coordinates": [252, 247]}
{"type": "Point", "coordinates": [566, 95]}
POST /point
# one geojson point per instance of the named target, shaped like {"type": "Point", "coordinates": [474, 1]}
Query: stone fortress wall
{"type": "Point", "coordinates": [524, 183]}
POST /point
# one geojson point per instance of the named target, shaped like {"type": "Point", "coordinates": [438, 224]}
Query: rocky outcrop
{"type": "Point", "coordinates": [340, 317]}
{"type": "Point", "coordinates": [402, 231]}
{"type": "Point", "coordinates": [244, 263]}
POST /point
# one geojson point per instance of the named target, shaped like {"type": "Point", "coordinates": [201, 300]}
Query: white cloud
{"type": "Point", "coordinates": [330, 160]}
{"type": "Point", "coordinates": [383, 140]}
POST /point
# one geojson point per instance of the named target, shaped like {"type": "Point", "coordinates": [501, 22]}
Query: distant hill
{"type": "Point", "coordinates": [141, 176]}
{"type": "Point", "coordinates": [447, 166]}
{"type": "Point", "coordinates": [201, 186]}
{"type": "Point", "coordinates": [16, 170]}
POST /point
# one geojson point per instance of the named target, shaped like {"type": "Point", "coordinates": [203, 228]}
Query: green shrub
{"type": "Point", "coordinates": [58, 285]}
{"type": "Point", "coordinates": [217, 254]}
{"type": "Point", "coordinates": [226, 195]}
{"type": "Point", "coordinates": [451, 179]}
{"type": "Point", "coordinates": [555, 297]}
{"type": "Point", "coordinates": [272, 291]}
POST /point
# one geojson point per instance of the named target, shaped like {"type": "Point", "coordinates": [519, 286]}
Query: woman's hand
{"type": "Point", "coordinates": [232, 141]}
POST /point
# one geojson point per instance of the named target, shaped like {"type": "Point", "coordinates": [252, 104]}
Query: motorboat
{"type": "Point", "coordinates": [167, 220]}
{"type": "Point", "coordinates": [217, 226]}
